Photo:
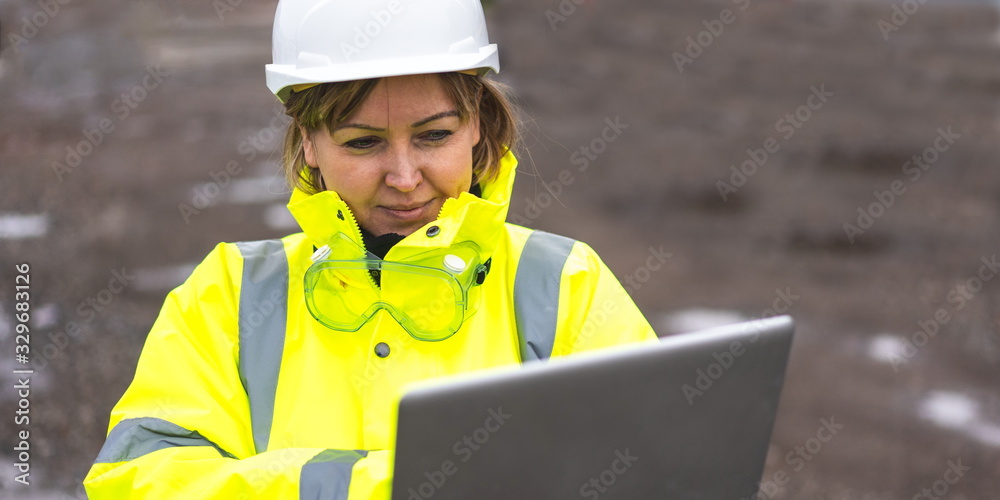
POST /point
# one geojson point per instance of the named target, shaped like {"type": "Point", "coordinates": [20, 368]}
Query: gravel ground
{"type": "Point", "coordinates": [822, 104]}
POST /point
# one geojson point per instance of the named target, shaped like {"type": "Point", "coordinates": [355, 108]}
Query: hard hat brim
{"type": "Point", "coordinates": [281, 77]}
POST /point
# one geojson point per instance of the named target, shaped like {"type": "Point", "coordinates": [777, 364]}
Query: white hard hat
{"type": "Point", "coordinates": [320, 41]}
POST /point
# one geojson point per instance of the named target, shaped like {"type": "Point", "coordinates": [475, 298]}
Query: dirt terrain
{"type": "Point", "coordinates": [832, 160]}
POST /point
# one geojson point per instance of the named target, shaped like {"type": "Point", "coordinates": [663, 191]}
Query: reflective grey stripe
{"type": "Point", "coordinates": [135, 437]}
{"type": "Point", "coordinates": [536, 292]}
{"type": "Point", "coordinates": [263, 310]}
{"type": "Point", "coordinates": [328, 475]}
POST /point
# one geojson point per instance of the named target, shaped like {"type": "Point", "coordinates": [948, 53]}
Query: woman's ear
{"type": "Point", "coordinates": [476, 133]}
{"type": "Point", "coordinates": [308, 148]}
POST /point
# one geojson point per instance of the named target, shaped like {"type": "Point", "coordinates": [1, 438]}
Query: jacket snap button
{"type": "Point", "coordinates": [382, 350]}
{"type": "Point", "coordinates": [433, 231]}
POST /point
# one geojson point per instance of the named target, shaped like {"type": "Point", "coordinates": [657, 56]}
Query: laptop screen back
{"type": "Point", "coordinates": [687, 418]}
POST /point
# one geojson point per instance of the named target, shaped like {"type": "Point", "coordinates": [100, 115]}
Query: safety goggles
{"type": "Point", "coordinates": [430, 295]}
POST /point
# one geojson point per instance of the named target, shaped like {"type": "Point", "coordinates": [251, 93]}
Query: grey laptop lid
{"type": "Point", "coordinates": [687, 418]}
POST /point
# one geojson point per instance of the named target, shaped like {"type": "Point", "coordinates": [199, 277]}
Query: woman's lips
{"type": "Point", "coordinates": [407, 212]}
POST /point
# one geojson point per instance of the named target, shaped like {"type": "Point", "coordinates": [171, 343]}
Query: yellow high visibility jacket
{"type": "Point", "coordinates": [241, 393]}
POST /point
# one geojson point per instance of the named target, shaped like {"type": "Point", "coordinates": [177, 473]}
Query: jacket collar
{"type": "Point", "coordinates": [466, 218]}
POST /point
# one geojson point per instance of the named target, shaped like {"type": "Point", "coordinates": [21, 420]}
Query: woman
{"type": "Point", "coordinates": [274, 370]}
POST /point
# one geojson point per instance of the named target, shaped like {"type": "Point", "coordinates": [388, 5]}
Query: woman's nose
{"type": "Point", "coordinates": [403, 172]}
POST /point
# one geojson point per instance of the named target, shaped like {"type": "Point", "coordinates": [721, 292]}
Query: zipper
{"type": "Point", "coordinates": [357, 228]}
{"type": "Point", "coordinates": [374, 275]}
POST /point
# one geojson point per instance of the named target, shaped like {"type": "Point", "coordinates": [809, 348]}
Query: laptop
{"type": "Point", "coordinates": [687, 418]}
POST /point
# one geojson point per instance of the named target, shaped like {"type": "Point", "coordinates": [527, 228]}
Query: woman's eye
{"type": "Point", "coordinates": [361, 143]}
{"type": "Point", "coordinates": [437, 135]}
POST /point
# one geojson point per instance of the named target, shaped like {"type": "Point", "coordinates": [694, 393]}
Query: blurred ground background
{"type": "Point", "coordinates": [911, 404]}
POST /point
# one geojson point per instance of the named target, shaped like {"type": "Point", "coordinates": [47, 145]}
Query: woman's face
{"type": "Point", "coordinates": [399, 157]}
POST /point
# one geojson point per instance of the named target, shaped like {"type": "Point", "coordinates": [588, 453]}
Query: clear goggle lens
{"type": "Point", "coordinates": [430, 296]}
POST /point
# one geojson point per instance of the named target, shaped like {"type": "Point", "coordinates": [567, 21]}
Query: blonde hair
{"type": "Point", "coordinates": [330, 104]}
